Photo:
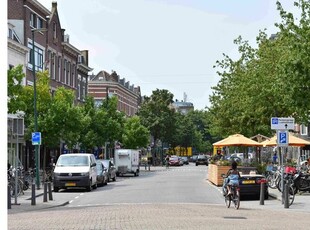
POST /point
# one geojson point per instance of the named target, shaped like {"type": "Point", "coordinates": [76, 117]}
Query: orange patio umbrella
{"type": "Point", "coordinates": [236, 140]}
{"type": "Point", "coordinates": [292, 141]}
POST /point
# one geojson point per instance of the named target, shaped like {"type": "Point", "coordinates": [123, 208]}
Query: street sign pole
{"type": "Point", "coordinates": [282, 125]}
{"type": "Point", "coordinates": [36, 141]}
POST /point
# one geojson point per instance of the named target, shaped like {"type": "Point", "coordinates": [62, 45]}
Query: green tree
{"type": "Point", "coordinates": [135, 134]}
{"type": "Point", "coordinates": [155, 113]}
{"type": "Point", "coordinates": [15, 77]}
{"type": "Point", "coordinates": [261, 84]}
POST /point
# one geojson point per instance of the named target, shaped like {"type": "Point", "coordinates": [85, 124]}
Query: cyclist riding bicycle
{"type": "Point", "coordinates": [233, 176]}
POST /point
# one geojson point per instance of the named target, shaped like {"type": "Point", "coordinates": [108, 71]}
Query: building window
{"type": "Point", "coordinates": [79, 91]}
{"type": "Point", "coordinates": [303, 130]}
{"type": "Point", "coordinates": [39, 23]}
{"type": "Point", "coordinates": [84, 92]}
{"type": "Point", "coordinates": [59, 68]}
{"type": "Point", "coordinates": [38, 57]}
{"type": "Point", "coordinates": [36, 21]}
{"type": "Point", "coordinates": [32, 20]}
{"type": "Point", "coordinates": [73, 76]}
{"type": "Point", "coordinates": [65, 71]}
{"type": "Point", "coordinates": [54, 65]}
{"type": "Point", "coordinates": [54, 31]}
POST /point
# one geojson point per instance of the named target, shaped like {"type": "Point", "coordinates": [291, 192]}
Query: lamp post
{"type": "Point", "coordinates": [36, 156]}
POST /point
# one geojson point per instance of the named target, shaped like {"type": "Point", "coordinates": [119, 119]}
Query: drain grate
{"type": "Point", "coordinates": [235, 217]}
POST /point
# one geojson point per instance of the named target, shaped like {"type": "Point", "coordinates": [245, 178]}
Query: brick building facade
{"type": "Point", "coordinates": [105, 85]}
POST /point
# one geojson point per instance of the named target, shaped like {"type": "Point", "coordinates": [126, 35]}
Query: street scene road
{"type": "Point", "coordinates": [174, 198]}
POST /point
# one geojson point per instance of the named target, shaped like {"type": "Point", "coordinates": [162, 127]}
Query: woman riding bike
{"type": "Point", "coordinates": [233, 176]}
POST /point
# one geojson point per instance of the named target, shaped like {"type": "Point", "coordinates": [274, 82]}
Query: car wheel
{"type": "Point", "coordinates": [196, 164]}
{"type": "Point", "coordinates": [56, 189]}
{"type": "Point", "coordinates": [89, 187]}
{"type": "Point", "coordinates": [95, 186]}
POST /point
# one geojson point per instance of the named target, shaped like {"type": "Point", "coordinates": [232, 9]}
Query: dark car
{"type": "Point", "coordinates": [193, 158]}
{"type": "Point", "coordinates": [102, 173]}
{"type": "Point", "coordinates": [185, 160]}
{"type": "Point", "coordinates": [250, 183]}
{"type": "Point", "coordinates": [111, 169]}
{"type": "Point", "coordinates": [202, 160]}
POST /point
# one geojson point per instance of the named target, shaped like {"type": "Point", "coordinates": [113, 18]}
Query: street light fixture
{"type": "Point", "coordinates": [35, 104]}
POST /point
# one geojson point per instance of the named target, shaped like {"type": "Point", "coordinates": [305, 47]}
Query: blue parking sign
{"type": "Point", "coordinates": [282, 138]}
{"type": "Point", "coordinates": [36, 138]}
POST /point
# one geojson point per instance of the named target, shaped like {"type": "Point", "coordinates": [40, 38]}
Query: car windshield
{"type": "Point", "coordinates": [174, 158]}
{"type": "Point", "coordinates": [201, 156]}
{"type": "Point", "coordinates": [106, 163]}
{"type": "Point", "coordinates": [73, 161]}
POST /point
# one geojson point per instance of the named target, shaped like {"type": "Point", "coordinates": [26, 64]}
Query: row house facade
{"type": "Point", "coordinates": [105, 85]}
{"type": "Point", "coordinates": [34, 28]}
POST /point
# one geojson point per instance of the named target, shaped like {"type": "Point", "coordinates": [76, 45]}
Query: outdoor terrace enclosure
{"type": "Point", "coordinates": [127, 161]}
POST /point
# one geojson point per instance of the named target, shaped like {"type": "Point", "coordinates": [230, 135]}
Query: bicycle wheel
{"type": "Point", "coordinates": [228, 200]}
{"type": "Point", "coordinates": [12, 189]}
{"type": "Point", "coordinates": [237, 199]}
{"type": "Point", "coordinates": [291, 195]}
{"type": "Point", "coordinates": [271, 181]}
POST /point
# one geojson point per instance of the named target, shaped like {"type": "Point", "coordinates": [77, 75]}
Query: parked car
{"type": "Point", "coordinates": [174, 161]}
{"type": "Point", "coordinates": [75, 170]}
{"type": "Point", "coordinates": [102, 173]}
{"type": "Point", "coordinates": [250, 183]}
{"type": "Point", "coordinates": [181, 161]}
{"type": "Point", "coordinates": [185, 160]}
{"type": "Point", "coordinates": [234, 158]}
{"type": "Point", "coordinates": [110, 168]}
{"type": "Point", "coordinates": [193, 158]}
{"type": "Point", "coordinates": [202, 160]}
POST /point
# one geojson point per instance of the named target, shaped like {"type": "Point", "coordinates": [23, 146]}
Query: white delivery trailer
{"type": "Point", "coordinates": [127, 161]}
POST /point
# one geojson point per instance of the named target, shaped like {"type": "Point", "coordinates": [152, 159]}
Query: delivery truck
{"type": "Point", "coordinates": [127, 161]}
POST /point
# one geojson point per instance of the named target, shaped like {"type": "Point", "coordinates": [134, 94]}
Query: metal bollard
{"type": "Point", "coordinates": [9, 197]}
{"type": "Point", "coordinates": [149, 167]}
{"type": "Point", "coordinates": [50, 194]}
{"type": "Point", "coordinates": [286, 195]}
{"type": "Point", "coordinates": [45, 192]}
{"type": "Point", "coordinates": [33, 194]}
{"type": "Point", "coordinates": [262, 193]}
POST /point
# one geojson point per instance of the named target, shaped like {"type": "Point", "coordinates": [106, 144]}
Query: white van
{"type": "Point", "coordinates": [75, 170]}
{"type": "Point", "coordinates": [127, 161]}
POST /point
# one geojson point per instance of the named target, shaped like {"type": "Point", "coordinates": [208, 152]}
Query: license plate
{"type": "Point", "coordinates": [248, 182]}
{"type": "Point", "coordinates": [70, 184]}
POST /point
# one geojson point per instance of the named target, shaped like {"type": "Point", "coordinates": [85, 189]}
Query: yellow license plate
{"type": "Point", "coordinates": [71, 184]}
{"type": "Point", "coordinates": [248, 182]}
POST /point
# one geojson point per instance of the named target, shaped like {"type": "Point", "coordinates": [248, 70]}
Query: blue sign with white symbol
{"type": "Point", "coordinates": [282, 138]}
{"type": "Point", "coordinates": [36, 138]}
{"type": "Point", "coordinates": [274, 120]}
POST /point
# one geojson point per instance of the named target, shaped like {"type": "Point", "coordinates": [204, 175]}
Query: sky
{"type": "Point", "coordinates": [165, 44]}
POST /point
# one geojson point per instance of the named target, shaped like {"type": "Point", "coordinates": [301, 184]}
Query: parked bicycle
{"type": "Point", "coordinates": [16, 187]}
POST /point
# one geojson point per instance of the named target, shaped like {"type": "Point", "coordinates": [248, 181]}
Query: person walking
{"type": "Point", "coordinates": [167, 161]}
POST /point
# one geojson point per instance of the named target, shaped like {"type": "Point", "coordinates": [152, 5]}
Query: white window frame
{"type": "Point", "coordinates": [303, 130]}
{"type": "Point", "coordinates": [65, 71]}
{"type": "Point", "coordinates": [39, 56]}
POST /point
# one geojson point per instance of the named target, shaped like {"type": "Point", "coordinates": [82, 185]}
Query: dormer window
{"type": "Point", "coordinates": [80, 59]}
